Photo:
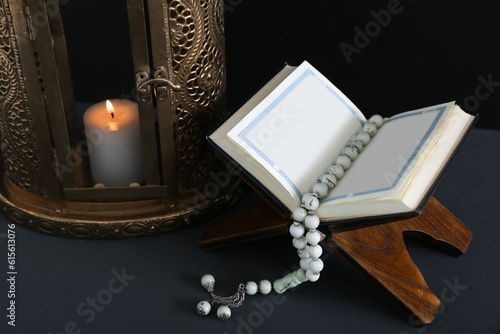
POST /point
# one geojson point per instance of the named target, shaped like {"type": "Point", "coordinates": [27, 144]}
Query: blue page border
{"type": "Point", "coordinates": [412, 157]}
{"type": "Point", "coordinates": [244, 132]}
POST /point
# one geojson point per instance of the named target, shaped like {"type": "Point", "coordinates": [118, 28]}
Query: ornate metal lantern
{"type": "Point", "coordinates": [46, 183]}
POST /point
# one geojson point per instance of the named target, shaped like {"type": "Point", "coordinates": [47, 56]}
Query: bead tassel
{"type": "Point", "coordinates": [304, 231]}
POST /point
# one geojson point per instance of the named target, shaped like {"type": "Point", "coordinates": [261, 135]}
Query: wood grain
{"type": "Point", "coordinates": [379, 252]}
{"type": "Point", "coordinates": [247, 225]}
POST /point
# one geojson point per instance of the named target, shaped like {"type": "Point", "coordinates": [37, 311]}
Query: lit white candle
{"type": "Point", "coordinates": [114, 142]}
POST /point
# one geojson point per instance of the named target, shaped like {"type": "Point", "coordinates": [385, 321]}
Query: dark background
{"type": "Point", "coordinates": [430, 52]}
{"type": "Point", "coordinates": [56, 275]}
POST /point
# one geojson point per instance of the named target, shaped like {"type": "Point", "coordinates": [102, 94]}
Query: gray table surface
{"type": "Point", "coordinates": [58, 279]}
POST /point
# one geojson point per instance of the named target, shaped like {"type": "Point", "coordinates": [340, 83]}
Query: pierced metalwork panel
{"type": "Point", "coordinates": [196, 33]}
{"type": "Point", "coordinates": [18, 141]}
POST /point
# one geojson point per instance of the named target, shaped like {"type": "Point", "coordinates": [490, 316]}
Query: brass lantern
{"type": "Point", "coordinates": [179, 68]}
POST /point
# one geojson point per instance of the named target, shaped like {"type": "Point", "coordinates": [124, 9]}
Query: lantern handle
{"type": "Point", "coordinates": [160, 83]}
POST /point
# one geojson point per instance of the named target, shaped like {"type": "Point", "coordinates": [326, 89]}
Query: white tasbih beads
{"type": "Point", "coordinates": [224, 312]}
{"type": "Point", "coordinates": [304, 231]}
{"type": "Point", "coordinates": [307, 245]}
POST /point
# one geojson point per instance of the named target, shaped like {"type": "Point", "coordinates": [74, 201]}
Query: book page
{"type": "Point", "coordinates": [297, 130]}
{"type": "Point", "coordinates": [390, 157]}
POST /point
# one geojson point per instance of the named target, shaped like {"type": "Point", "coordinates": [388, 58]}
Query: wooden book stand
{"type": "Point", "coordinates": [379, 252]}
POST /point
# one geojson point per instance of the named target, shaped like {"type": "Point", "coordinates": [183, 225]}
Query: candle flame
{"type": "Point", "coordinates": [111, 109]}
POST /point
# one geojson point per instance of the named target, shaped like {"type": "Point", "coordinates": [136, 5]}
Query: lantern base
{"type": "Point", "coordinates": [96, 220]}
